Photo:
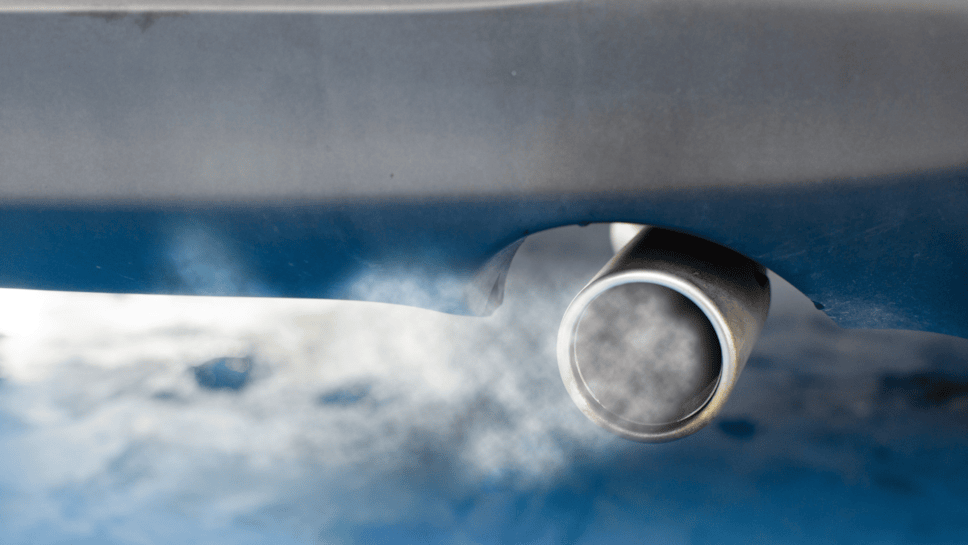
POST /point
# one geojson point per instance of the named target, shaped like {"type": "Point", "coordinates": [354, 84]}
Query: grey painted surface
{"type": "Point", "coordinates": [554, 98]}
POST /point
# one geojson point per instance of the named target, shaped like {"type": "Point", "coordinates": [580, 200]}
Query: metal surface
{"type": "Point", "coordinates": [397, 151]}
{"type": "Point", "coordinates": [652, 347]}
{"type": "Point", "coordinates": [568, 97]}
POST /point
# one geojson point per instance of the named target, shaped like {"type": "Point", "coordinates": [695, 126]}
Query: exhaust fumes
{"type": "Point", "coordinates": [651, 348]}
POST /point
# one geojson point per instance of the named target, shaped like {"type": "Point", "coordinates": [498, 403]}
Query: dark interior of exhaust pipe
{"type": "Point", "coordinates": [647, 353]}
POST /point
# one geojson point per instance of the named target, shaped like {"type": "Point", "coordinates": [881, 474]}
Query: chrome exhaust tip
{"type": "Point", "coordinates": [651, 348]}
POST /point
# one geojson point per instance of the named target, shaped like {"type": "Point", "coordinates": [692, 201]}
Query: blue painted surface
{"type": "Point", "coordinates": [346, 396]}
{"type": "Point", "coordinates": [465, 434]}
{"type": "Point", "coordinates": [884, 253]}
{"type": "Point", "coordinates": [224, 373]}
{"type": "Point", "coordinates": [740, 428]}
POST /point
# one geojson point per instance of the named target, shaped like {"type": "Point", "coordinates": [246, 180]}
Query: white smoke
{"type": "Point", "coordinates": [364, 415]}
{"type": "Point", "coordinates": [107, 408]}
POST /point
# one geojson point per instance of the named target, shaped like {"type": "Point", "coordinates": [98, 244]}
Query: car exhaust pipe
{"type": "Point", "coordinates": [651, 348]}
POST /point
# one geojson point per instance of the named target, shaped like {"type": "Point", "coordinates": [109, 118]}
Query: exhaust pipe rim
{"type": "Point", "coordinates": [582, 395]}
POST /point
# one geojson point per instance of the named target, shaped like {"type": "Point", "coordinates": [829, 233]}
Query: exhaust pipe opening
{"type": "Point", "coordinates": [663, 371]}
{"type": "Point", "coordinates": [651, 348]}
